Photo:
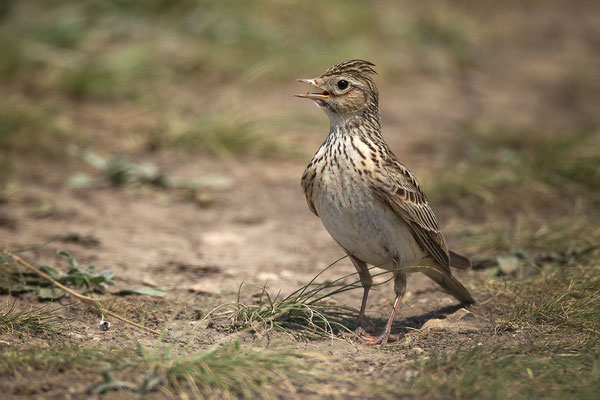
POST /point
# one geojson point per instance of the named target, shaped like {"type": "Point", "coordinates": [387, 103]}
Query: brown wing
{"type": "Point", "coordinates": [307, 184]}
{"type": "Point", "coordinates": [402, 193]}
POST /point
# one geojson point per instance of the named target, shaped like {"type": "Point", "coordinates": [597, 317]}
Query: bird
{"type": "Point", "coordinates": [367, 200]}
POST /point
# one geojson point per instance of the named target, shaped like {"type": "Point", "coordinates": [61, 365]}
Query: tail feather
{"type": "Point", "coordinates": [450, 284]}
{"type": "Point", "coordinates": [458, 261]}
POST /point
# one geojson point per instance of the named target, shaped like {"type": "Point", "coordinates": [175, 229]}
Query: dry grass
{"type": "Point", "coordinates": [308, 312]}
{"type": "Point", "coordinates": [514, 170]}
{"type": "Point", "coordinates": [34, 322]}
{"type": "Point", "coordinates": [517, 371]}
{"type": "Point", "coordinates": [167, 364]}
{"type": "Point", "coordinates": [230, 134]}
{"type": "Point", "coordinates": [551, 351]}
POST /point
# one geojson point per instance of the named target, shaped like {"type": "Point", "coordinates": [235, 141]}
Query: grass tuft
{"type": "Point", "coordinates": [19, 360]}
{"type": "Point", "coordinates": [226, 135]}
{"type": "Point", "coordinates": [555, 317]}
{"type": "Point", "coordinates": [555, 284]}
{"type": "Point", "coordinates": [228, 370]}
{"type": "Point", "coordinates": [12, 58]}
{"type": "Point", "coordinates": [556, 300]}
{"type": "Point", "coordinates": [32, 130]}
{"type": "Point", "coordinates": [510, 372]}
{"type": "Point", "coordinates": [433, 31]}
{"type": "Point", "coordinates": [308, 312]}
{"type": "Point", "coordinates": [27, 129]}
{"type": "Point", "coordinates": [36, 321]}
{"type": "Point", "coordinates": [90, 80]}
{"type": "Point", "coordinates": [518, 170]}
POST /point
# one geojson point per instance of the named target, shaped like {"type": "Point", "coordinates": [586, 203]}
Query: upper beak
{"type": "Point", "coordinates": [323, 95]}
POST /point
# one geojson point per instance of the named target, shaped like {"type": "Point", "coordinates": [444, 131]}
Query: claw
{"type": "Point", "coordinates": [372, 340]}
{"type": "Point", "coordinates": [360, 331]}
{"type": "Point", "coordinates": [382, 339]}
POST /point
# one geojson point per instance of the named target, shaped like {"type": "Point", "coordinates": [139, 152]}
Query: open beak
{"type": "Point", "coordinates": [314, 96]}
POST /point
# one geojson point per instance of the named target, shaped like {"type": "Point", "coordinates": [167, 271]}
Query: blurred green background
{"type": "Point", "coordinates": [497, 90]}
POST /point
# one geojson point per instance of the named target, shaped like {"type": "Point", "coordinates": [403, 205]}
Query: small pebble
{"type": "Point", "coordinates": [104, 325]}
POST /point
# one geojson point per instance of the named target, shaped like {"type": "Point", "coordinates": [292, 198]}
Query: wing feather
{"type": "Point", "coordinates": [307, 185]}
{"type": "Point", "coordinates": [402, 193]}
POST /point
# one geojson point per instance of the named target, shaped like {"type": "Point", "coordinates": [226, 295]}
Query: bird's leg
{"type": "Point", "coordinates": [367, 282]}
{"type": "Point", "coordinates": [399, 289]}
{"type": "Point", "coordinates": [360, 329]}
{"type": "Point", "coordinates": [385, 335]}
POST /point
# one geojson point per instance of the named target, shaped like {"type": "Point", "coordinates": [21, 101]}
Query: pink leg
{"type": "Point", "coordinates": [385, 336]}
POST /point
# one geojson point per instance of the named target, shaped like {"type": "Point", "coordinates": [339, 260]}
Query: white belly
{"type": "Point", "coordinates": [364, 227]}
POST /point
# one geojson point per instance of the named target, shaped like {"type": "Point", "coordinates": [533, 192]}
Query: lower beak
{"type": "Point", "coordinates": [323, 95]}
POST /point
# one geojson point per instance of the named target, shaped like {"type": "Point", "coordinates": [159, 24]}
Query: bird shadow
{"type": "Point", "coordinates": [402, 327]}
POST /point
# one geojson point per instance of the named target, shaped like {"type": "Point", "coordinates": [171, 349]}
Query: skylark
{"type": "Point", "coordinates": [368, 201]}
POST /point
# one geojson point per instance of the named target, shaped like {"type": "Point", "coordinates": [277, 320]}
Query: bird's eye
{"type": "Point", "coordinates": [343, 84]}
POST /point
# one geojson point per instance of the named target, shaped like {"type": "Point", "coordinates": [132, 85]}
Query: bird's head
{"type": "Point", "coordinates": [344, 89]}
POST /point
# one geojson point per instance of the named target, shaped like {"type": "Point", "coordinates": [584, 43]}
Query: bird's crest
{"type": "Point", "coordinates": [352, 67]}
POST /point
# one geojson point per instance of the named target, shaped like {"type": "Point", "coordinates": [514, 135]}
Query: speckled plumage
{"type": "Point", "coordinates": [367, 200]}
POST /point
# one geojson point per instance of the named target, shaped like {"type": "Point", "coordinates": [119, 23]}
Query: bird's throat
{"type": "Point", "coordinates": [363, 122]}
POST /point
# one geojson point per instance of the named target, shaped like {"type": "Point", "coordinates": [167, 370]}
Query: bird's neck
{"type": "Point", "coordinates": [364, 122]}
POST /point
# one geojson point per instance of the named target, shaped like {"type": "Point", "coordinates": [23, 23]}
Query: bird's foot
{"type": "Point", "coordinates": [361, 331]}
{"type": "Point", "coordinates": [382, 339]}
{"type": "Point", "coordinates": [369, 339]}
